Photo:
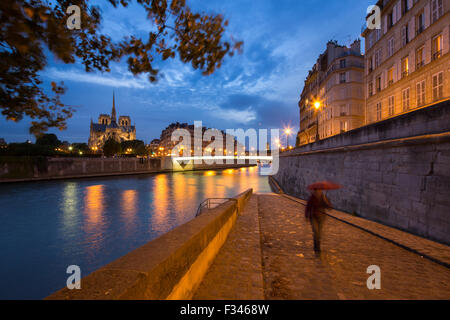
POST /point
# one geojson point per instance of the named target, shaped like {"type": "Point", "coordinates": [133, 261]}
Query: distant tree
{"type": "Point", "coordinates": [137, 147]}
{"type": "Point", "coordinates": [48, 139]}
{"type": "Point", "coordinates": [31, 28]}
{"type": "Point", "coordinates": [77, 147]}
{"type": "Point", "coordinates": [111, 148]}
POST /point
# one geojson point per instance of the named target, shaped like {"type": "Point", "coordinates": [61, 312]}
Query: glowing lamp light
{"type": "Point", "coordinates": [317, 105]}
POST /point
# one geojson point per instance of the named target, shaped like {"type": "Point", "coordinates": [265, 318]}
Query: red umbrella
{"type": "Point", "coordinates": [324, 185]}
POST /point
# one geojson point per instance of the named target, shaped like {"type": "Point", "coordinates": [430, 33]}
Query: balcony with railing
{"type": "Point", "coordinates": [436, 55]}
{"type": "Point", "coordinates": [338, 66]}
{"type": "Point", "coordinates": [419, 30]}
{"type": "Point", "coordinates": [420, 65]}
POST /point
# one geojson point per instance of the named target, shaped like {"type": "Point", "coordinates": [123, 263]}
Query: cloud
{"type": "Point", "coordinates": [260, 110]}
{"type": "Point", "coordinates": [245, 116]}
{"type": "Point", "coordinates": [97, 78]}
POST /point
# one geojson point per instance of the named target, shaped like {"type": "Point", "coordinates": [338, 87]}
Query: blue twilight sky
{"type": "Point", "coordinates": [258, 89]}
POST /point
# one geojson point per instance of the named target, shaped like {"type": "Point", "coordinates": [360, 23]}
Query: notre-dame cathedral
{"type": "Point", "coordinates": [108, 127]}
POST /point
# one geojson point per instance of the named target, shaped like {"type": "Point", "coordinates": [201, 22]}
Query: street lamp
{"type": "Point", "coordinates": [317, 106]}
{"type": "Point", "coordinates": [287, 132]}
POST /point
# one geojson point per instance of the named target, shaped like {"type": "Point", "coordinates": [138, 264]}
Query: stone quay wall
{"type": "Point", "coordinates": [15, 169]}
{"type": "Point", "coordinates": [170, 267]}
{"type": "Point", "coordinates": [42, 168]}
{"type": "Point", "coordinates": [388, 173]}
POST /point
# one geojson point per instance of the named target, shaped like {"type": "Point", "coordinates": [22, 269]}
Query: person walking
{"type": "Point", "coordinates": [315, 207]}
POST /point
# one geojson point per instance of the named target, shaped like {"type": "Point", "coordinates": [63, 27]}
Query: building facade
{"type": "Point", "coordinates": [166, 144]}
{"type": "Point", "coordinates": [332, 100]}
{"type": "Point", "coordinates": [108, 128]}
{"type": "Point", "coordinates": [407, 61]}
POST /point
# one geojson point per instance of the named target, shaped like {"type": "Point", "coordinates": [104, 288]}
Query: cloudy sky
{"type": "Point", "coordinates": [258, 89]}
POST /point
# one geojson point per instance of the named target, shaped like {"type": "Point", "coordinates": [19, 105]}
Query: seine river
{"type": "Point", "coordinates": [47, 226]}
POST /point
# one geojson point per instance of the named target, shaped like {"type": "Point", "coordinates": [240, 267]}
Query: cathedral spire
{"type": "Point", "coordinates": [113, 112]}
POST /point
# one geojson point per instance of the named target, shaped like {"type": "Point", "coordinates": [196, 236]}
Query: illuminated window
{"type": "Point", "coordinates": [437, 47]}
{"type": "Point", "coordinates": [391, 76]}
{"type": "Point", "coordinates": [405, 67]}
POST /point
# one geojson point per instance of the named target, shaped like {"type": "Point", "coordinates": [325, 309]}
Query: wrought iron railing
{"type": "Point", "coordinates": [212, 203]}
{"type": "Point", "coordinates": [436, 55]}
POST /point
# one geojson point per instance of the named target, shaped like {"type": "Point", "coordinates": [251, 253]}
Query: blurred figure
{"type": "Point", "coordinates": [314, 211]}
{"type": "Point", "coordinates": [315, 207]}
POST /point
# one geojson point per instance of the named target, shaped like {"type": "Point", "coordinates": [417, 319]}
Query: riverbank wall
{"type": "Point", "coordinates": [170, 267]}
{"type": "Point", "coordinates": [396, 172]}
{"type": "Point", "coordinates": [17, 169]}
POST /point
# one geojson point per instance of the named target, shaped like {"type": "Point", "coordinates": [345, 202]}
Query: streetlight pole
{"type": "Point", "coordinates": [287, 132]}
{"type": "Point", "coordinates": [317, 106]}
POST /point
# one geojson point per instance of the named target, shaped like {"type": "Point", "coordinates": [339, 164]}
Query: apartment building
{"type": "Point", "coordinates": [407, 61]}
{"type": "Point", "coordinates": [332, 100]}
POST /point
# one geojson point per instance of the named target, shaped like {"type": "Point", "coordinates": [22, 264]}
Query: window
{"type": "Point", "coordinates": [378, 34]}
{"type": "Point", "coordinates": [405, 37]}
{"type": "Point", "coordinates": [342, 63]}
{"type": "Point", "coordinates": [391, 106]}
{"type": "Point", "coordinates": [405, 6]}
{"type": "Point", "coordinates": [370, 64]}
{"type": "Point", "coordinates": [420, 23]}
{"type": "Point", "coordinates": [436, 47]}
{"type": "Point", "coordinates": [378, 111]}
{"type": "Point", "coordinates": [371, 39]}
{"type": "Point", "coordinates": [420, 58]}
{"type": "Point", "coordinates": [370, 89]}
{"type": "Point", "coordinates": [390, 19]}
{"type": "Point", "coordinates": [390, 47]}
{"type": "Point", "coordinates": [405, 67]}
{"type": "Point", "coordinates": [342, 77]}
{"type": "Point", "coordinates": [405, 99]}
{"type": "Point", "coordinates": [390, 76]}
{"type": "Point", "coordinates": [420, 93]}
{"type": "Point", "coordinates": [378, 57]}
{"type": "Point", "coordinates": [343, 110]}
{"type": "Point", "coordinates": [437, 10]}
{"type": "Point", "coordinates": [378, 83]}
{"type": "Point", "coordinates": [438, 86]}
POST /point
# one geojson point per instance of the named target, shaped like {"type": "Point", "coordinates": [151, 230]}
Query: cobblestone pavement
{"type": "Point", "coordinates": [292, 271]}
{"type": "Point", "coordinates": [269, 254]}
{"type": "Point", "coordinates": [434, 250]}
{"type": "Point", "coordinates": [236, 273]}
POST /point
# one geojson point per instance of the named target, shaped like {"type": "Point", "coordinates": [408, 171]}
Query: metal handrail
{"type": "Point", "coordinates": [211, 201]}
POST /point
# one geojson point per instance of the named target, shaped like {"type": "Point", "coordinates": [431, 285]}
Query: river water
{"type": "Point", "coordinates": [47, 226]}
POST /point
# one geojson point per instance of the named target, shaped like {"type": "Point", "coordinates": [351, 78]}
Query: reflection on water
{"type": "Point", "coordinates": [161, 193]}
{"type": "Point", "coordinates": [93, 207]}
{"type": "Point", "coordinates": [129, 208]}
{"type": "Point", "coordinates": [47, 226]}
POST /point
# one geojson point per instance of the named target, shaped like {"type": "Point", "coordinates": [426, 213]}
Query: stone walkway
{"type": "Point", "coordinates": [236, 273]}
{"type": "Point", "coordinates": [273, 259]}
